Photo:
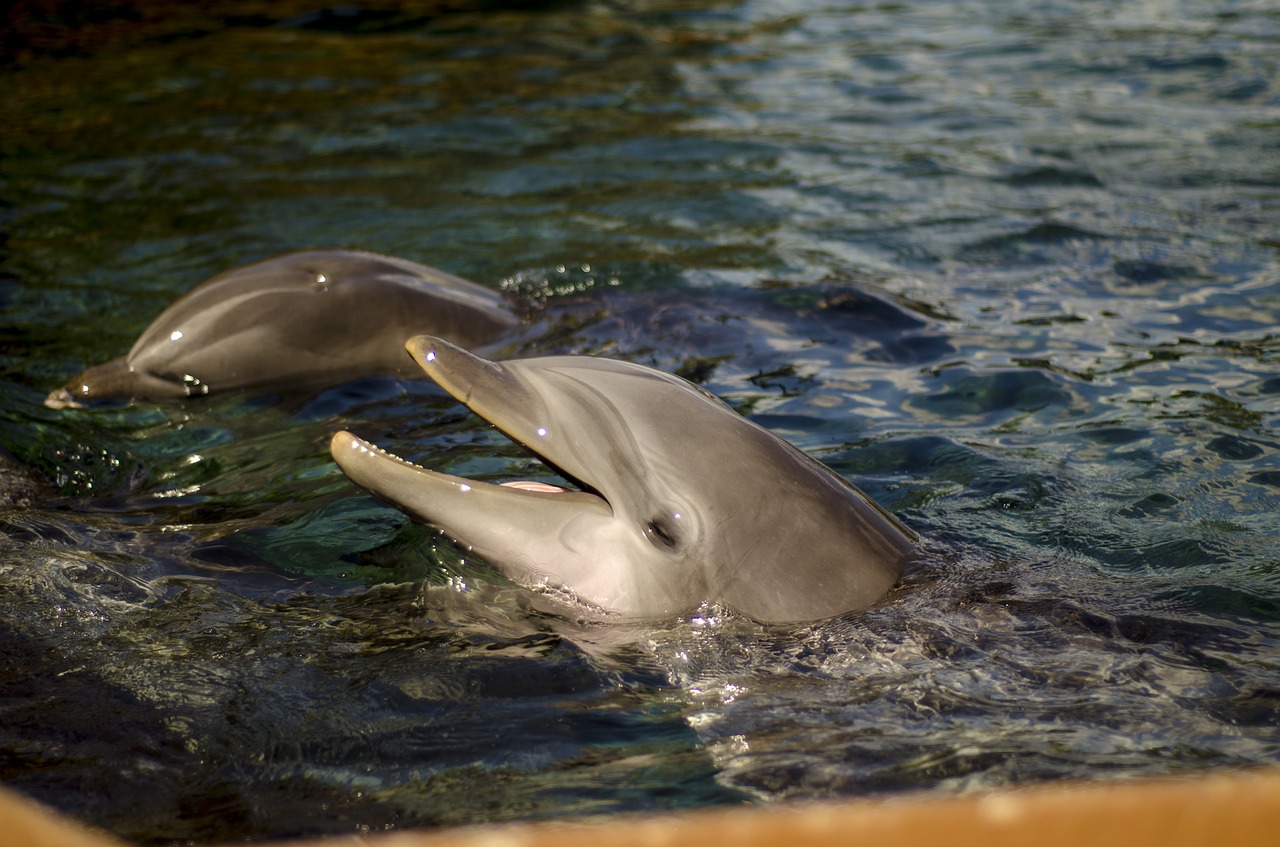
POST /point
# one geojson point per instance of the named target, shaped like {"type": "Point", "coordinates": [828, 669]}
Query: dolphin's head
{"type": "Point", "coordinates": [292, 322]}
{"type": "Point", "coordinates": [680, 500]}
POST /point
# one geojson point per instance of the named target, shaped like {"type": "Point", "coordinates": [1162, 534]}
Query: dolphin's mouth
{"type": "Point", "coordinates": [516, 527]}
{"type": "Point", "coordinates": [535, 485]}
{"type": "Point", "coordinates": [353, 449]}
{"type": "Point", "coordinates": [506, 524]}
{"type": "Point", "coordinates": [491, 393]}
{"type": "Point", "coordinates": [503, 521]}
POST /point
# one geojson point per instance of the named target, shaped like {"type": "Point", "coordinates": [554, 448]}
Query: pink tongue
{"type": "Point", "coordinates": [531, 485]}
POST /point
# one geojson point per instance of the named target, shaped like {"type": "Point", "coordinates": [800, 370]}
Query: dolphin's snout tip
{"type": "Point", "coordinates": [341, 446]}
{"type": "Point", "coordinates": [422, 346]}
{"type": "Point", "coordinates": [434, 354]}
{"type": "Point", "coordinates": [425, 349]}
{"type": "Point", "coordinates": [62, 399]}
{"type": "Point", "coordinates": [341, 440]}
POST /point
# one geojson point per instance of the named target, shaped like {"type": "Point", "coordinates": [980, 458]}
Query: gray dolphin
{"type": "Point", "coordinates": [682, 501]}
{"type": "Point", "coordinates": [303, 319]}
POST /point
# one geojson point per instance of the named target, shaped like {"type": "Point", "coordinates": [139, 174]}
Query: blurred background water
{"type": "Point", "coordinates": [1013, 268]}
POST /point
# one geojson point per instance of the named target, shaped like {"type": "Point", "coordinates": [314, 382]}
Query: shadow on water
{"type": "Point", "coordinates": [1011, 270]}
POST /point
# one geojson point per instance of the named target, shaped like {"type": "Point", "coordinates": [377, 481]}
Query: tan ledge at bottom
{"type": "Point", "coordinates": [1237, 809]}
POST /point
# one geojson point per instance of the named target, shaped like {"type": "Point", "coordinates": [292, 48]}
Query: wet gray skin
{"type": "Point", "coordinates": [304, 319]}
{"type": "Point", "coordinates": [682, 501]}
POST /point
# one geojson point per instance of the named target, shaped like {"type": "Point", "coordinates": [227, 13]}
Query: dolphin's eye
{"type": "Point", "coordinates": [663, 532]}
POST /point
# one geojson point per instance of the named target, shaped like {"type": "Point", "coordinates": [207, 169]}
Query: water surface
{"type": "Point", "coordinates": [1011, 268]}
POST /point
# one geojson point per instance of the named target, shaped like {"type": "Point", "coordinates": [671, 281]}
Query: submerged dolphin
{"type": "Point", "coordinates": [303, 319]}
{"type": "Point", "coordinates": [682, 500]}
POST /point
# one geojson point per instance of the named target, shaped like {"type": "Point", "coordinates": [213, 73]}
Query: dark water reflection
{"type": "Point", "coordinates": [1013, 269]}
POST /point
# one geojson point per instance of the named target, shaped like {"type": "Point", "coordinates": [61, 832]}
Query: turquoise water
{"type": "Point", "coordinates": [1012, 268]}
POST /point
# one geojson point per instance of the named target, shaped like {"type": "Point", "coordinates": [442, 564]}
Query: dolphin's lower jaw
{"type": "Point", "coordinates": [565, 543]}
{"type": "Point", "coordinates": [684, 501]}
{"type": "Point", "coordinates": [520, 529]}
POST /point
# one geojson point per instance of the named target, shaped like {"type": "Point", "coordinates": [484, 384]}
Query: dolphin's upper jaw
{"type": "Point", "coordinates": [503, 401]}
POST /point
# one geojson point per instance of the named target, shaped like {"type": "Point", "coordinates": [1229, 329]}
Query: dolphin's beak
{"type": "Point", "coordinates": [461, 507]}
{"type": "Point", "coordinates": [498, 394]}
{"type": "Point", "coordinates": [492, 519]}
{"type": "Point", "coordinates": [485, 387]}
{"type": "Point", "coordinates": [114, 381]}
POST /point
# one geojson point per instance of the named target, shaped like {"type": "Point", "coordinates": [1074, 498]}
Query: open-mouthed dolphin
{"type": "Point", "coordinates": [682, 501]}
{"type": "Point", "coordinates": [306, 319]}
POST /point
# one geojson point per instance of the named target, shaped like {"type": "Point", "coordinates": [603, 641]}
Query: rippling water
{"type": "Point", "coordinates": [1012, 268]}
